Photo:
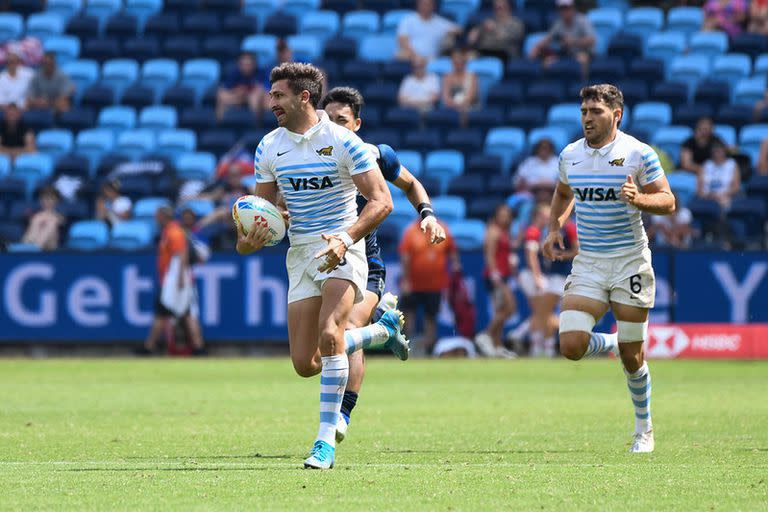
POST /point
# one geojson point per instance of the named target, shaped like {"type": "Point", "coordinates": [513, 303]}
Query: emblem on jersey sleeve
{"type": "Point", "coordinates": [325, 151]}
{"type": "Point", "coordinates": [616, 162]}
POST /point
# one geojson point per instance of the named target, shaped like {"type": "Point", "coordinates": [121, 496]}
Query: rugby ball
{"type": "Point", "coordinates": [249, 210]}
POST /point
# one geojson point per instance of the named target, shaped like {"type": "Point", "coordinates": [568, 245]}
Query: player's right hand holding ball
{"type": "Point", "coordinates": [254, 241]}
{"type": "Point", "coordinates": [553, 246]}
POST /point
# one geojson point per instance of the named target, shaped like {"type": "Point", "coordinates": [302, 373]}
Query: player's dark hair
{"type": "Point", "coordinates": [346, 96]}
{"type": "Point", "coordinates": [604, 93]}
{"type": "Point", "coordinates": [300, 77]}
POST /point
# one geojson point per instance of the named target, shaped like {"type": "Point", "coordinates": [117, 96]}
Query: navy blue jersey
{"type": "Point", "coordinates": [389, 164]}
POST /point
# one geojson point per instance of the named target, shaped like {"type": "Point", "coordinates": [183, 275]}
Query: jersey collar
{"type": "Point", "coordinates": [605, 149]}
{"type": "Point", "coordinates": [298, 137]}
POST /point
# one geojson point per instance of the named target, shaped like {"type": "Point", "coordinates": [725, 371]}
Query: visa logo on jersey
{"type": "Point", "coordinates": [313, 183]}
{"type": "Point", "coordinates": [596, 193]}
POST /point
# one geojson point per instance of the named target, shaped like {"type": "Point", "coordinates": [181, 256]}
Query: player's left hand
{"type": "Point", "coordinates": [629, 190]}
{"type": "Point", "coordinates": [434, 231]}
{"type": "Point", "coordinates": [333, 253]}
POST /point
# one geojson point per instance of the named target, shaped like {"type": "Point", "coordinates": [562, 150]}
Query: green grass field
{"type": "Point", "coordinates": [225, 434]}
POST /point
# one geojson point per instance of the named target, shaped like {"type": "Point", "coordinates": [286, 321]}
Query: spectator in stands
{"type": "Point", "coordinates": [762, 159]}
{"type": "Point", "coordinates": [43, 230]}
{"type": "Point", "coordinates": [224, 192]}
{"type": "Point", "coordinates": [424, 277]}
{"type": "Point", "coordinates": [176, 297]}
{"type": "Point", "coordinates": [14, 81]}
{"type": "Point", "coordinates": [760, 108]}
{"type": "Point", "coordinates": [241, 87]}
{"type": "Point", "coordinates": [726, 15]}
{"type": "Point", "coordinates": [460, 85]}
{"type": "Point", "coordinates": [673, 230]}
{"type": "Point", "coordinates": [539, 173]}
{"type": "Point", "coordinates": [758, 17]}
{"type": "Point", "coordinates": [697, 149]}
{"type": "Point", "coordinates": [720, 178]}
{"type": "Point", "coordinates": [571, 36]}
{"type": "Point", "coordinates": [16, 138]}
{"type": "Point", "coordinates": [419, 89]}
{"type": "Point", "coordinates": [500, 35]}
{"type": "Point", "coordinates": [424, 33]}
{"type": "Point", "coordinates": [50, 88]}
{"type": "Point", "coordinates": [112, 207]}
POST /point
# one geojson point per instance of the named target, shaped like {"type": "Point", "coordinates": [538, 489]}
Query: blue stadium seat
{"type": "Point", "coordinates": [181, 47]}
{"type": "Point", "coordinates": [65, 48]}
{"type": "Point", "coordinates": [264, 46]}
{"type": "Point", "coordinates": [141, 49]}
{"type": "Point", "coordinates": [566, 116]}
{"type": "Point", "coordinates": [732, 66]}
{"type": "Point", "coordinates": [442, 118]}
{"type": "Point", "coordinates": [564, 70]}
{"type": "Point", "coordinates": [459, 10]}
{"type": "Point", "coordinates": [359, 24]}
{"type": "Point", "coordinates": [43, 25]}
{"type": "Point", "coordinates": [159, 75]}
{"type": "Point", "coordinates": [88, 235]}
{"type": "Point", "coordinates": [53, 142]}
{"type": "Point", "coordinates": [380, 94]}
{"type": "Point", "coordinates": [749, 91]}
{"type": "Point", "coordinates": [136, 143]}
{"type": "Point", "coordinates": [83, 27]}
{"type": "Point", "coordinates": [145, 207]}
{"type": "Point", "coordinates": [94, 143]}
{"type": "Point", "coordinates": [559, 136]}
{"type": "Point", "coordinates": [449, 208]}
{"type": "Point", "coordinates": [260, 9]}
{"type": "Point", "coordinates": [11, 26]}
{"type": "Point", "coordinates": [750, 138]}
{"type": "Point", "coordinates": [305, 48]}
{"type": "Point", "coordinates": [299, 8]}
{"type": "Point", "coordinates": [713, 93]}
{"type": "Point", "coordinates": [635, 91]}
{"type": "Point", "coordinates": [142, 10]}
{"type": "Point", "coordinates": [651, 116]}
{"type": "Point", "coordinates": [606, 21]}
{"type": "Point", "coordinates": [138, 96]}
{"type": "Point", "coordinates": [526, 117]}
{"type": "Point", "coordinates": [225, 48]}
{"type": "Point", "coordinates": [238, 119]}
{"type": "Point", "coordinates": [607, 70]}
{"type": "Point", "coordinates": [468, 234]}
{"type": "Point", "coordinates": [122, 26]}
{"type": "Point", "coordinates": [761, 65]}
{"type": "Point", "coordinates": [523, 71]}
{"type": "Point", "coordinates": [727, 133]}
{"type": "Point", "coordinates": [64, 8]}
{"type": "Point", "coordinates": [487, 165]}
{"type": "Point", "coordinates": [83, 73]}
{"type": "Point", "coordinates": [626, 46]}
{"type": "Point", "coordinates": [467, 186]}
{"type": "Point", "coordinates": [197, 119]}
{"type": "Point", "coordinates": [665, 45]}
{"type": "Point", "coordinates": [385, 136]}
{"type": "Point", "coordinates": [688, 69]}
{"type": "Point", "coordinates": [466, 140]}
{"type": "Point", "coordinates": [672, 93]}
{"type": "Point", "coordinates": [158, 117]}
{"type": "Point", "coordinates": [200, 74]}
{"type": "Point", "coordinates": [200, 24]}
{"type": "Point", "coordinates": [710, 44]}
{"type": "Point", "coordinates": [77, 119]}
{"type": "Point", "coordinates": [340, 48]}
{"type": "Point", "coordinates": [201, 207]}
{"type": "Point", "coordinates": [217, 142]}
{"type": "Point", "coordinates": [747, 217]}
{"type": "Point", "coordinates": [670, 138]}
{"type": "Point", "coordinates": [132, 235]}
{"type": "Point", "coordinates": [504, 93]}
{"type": "Point", "coordinates": [545, 93]}
{"type": "Point", "coordinates": [507, 143]}
{"type": "Point", "coordinates": [239, 25]}
{"type": "Point", "coordinates": [422, 140]}
{"type": "Point", "coordinates": [689, 114]}
{"type": "Point", "coordinates": [685, 19]}
{"type": "Point", "coordinates": [440, 65]}
{"type": "Point", "coordinates": [13, 231]}
{"type": "Point", "coordinates": [101, 50]}
{"type": "Point", "coordinates": [102, 9]}
{"type": "Point", "coordinates": [321, 24]}
{"type": "Point", "coordinates": [707, 214]}
{"type": "Point", "coordinates": [757, 187]}
{"type": "Point", "coordinates": [378, 48]}
{"type": "Point", "coordinates": [5, 166]}
{"type": "Point", "coordinates": [412, 161]}
{"type": "Point", "coordinates": [644, 21]}
{"type": "Point", "coordinates": [683, 185]}
{"type": "Point", "coordinates": [403, 118]}
{"type": "Point", "coordinates": [391, 20]}
{"type": "Point", "coordinates": [119, 74]}
{"type": "Point", "coordinates": [162, 25]}
{"type": "Point", "coordinates": [489, 70]}
{"type": "Point", "coordinates": [34, 168]}
{"type": "Point", "coordinates": [72, 165]}
{"type": "Point", "coordinates": [749, 43]}
{"type": "Point", "coordinates": [530, 41]}
{"type": "Point", "coordinates": [485, 119]}
{"type": "Point", "coordinates": [196, 166]}
{"type": "Point", "coordinates": [649, 70]}
{"type": "Point", "coordinates": [13, 189]}
{"type": "Point", "coordinates": [280, 24]}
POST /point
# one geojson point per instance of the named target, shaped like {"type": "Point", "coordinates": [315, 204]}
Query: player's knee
{"type": "Point", "coordinates": [575, 327]}
{"type": "Point", "coordinates": [305, 368]}
{"type": "Point", "coordinates": [329, 337]}
{"type": "Point", "coordinates": [572, 345]}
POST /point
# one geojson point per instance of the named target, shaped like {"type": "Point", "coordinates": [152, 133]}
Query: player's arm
{"type": "Point", "coordinates": [419, 198]}
{"type": "Point", "coordinates": [379, 205]}
{"type": "Point", "coordinates": [655, 197]}
{"type": "Point", "coordinates": [562, 204]}
{"type": "Point", "coordinates": [532, 259]}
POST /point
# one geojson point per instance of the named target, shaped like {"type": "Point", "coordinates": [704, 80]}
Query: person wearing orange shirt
{"type": "Point", "coordinates": [424, 277]}
{"type": "Point", "coordinates": [173, 256]}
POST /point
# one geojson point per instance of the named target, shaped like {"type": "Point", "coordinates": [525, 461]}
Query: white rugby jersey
{"type": "Point", "coordinates": [606, 225]}
{"type": "Point", "coordinates": [314, 173]}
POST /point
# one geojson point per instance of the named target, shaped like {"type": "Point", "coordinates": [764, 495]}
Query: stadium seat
{"type": "Point", "coordinates": [523, 71]}
{"type": "Point", "coordinates": [468, 234]}
{"type": "Point", "coordinates": [200, 24]}
{"type": "Point", "coordinates": [747, 217]}
{"type": "Point", "coordinates": [65, 48]}
{"type": "Point", "coordinates": [710, 44]}
{"type": "Point", "coordinates": [83, 73]}
{"type": "Point", "coordinates": [136, 143]}
{"type": "Point", "coordinates": [223, 48]}
{"type": "Point", "coordinates": [72, 165]}
{"type": "Point", "coordinates": [607, 70]}
{"type": "Point", "coordinates": [77, 119]}
{"type": "Point", "coordinates": [651, 116]}
{"type": "Point", "coordinates": [64, 8]}
{"type": "Point", "coordinates": [732, 66]}
{"type": "Point", "coordinates": [749, 91]}
{"type": "Point", "coordinates": [559, 136]}
{"type": "Point", "coordinates": [5, 166]}
{"type": "Point", "coordinates": [484, 207]}
{"type": "Point", "coordinates": [175, 142]}
{"type": "Point", "coordinates": [142, 10]}
{"type": "Point", "coordinates": [321, 24]}
{"type": "Point", "coordinates": [727, 133]}
{"type": "Point", "coordinates": [119, 74]}
{"type": "Point", "coordinates": [159, 75]}
{"type": "Point", "coordinates": [217, 142]}
{"type": "Point", "coordinates": [88, 235]}
{"type": "Point", "coordinates": [626, 46]}
{"type": "Point", "coordinates": [83, 27]}
{"type": "Point", "coordinates": [670, 138]}
{"type": "Point", "coordinates": [384, 136]}
{"type": "Point", "coordinates": [489, 70]}
{"type": "Point", "coordinates": [563, 70]}
{"type": "Point", "coordinates": [12, 231]}
{"type": "Point", "coordinates": [675, 94]}
{"type": "Point", "coordinates": [200, 74]}
{"type": "Point", "coordinates": [13, 189]}
{"type": "Point", "coordinates": [664, 45]}
{"type": "Point", "coordinates": [201, 207]}
{"type": "Point", "coordinates": [34, 168]}
{"type": "Point", "coordinates": [689, 70]}
{"type": "Point", "coordinates": [685, 19]}
{"type": "Point", "coordinates": [606, 21]}
{"type": "Point", "coordinates": [38, 119]}
{"type": "Point", "coordinates": [750, 138]}
{"type": "Point", "coordinates": [467, 186]}
{"type": "Point", "coordinates": [506, 143]}
{"type": "Point", "coordinates": [162, 25]}
{"type": "Point", "coordinates": [101, 50]}
{"type": "Point", "coordinates": [144, 209]}
{"type": "Point", "coordinates": [378, 48]}
{"type": "Point", "coordinates": [403, 118]}
{"type": "Point", "coordinates": [485, 164]}
{"type": "Point", "coordinates": [11, 26]}
{"type": "Point", "coordinates": [683, 184]}
{"type": "Point", "coordinates": [138, 96]}
{"type": "Point", "coordinates": [181, 47]}
{"type": "Point", "coordinates": [159, 117]}
{"type": "Point", "coordinates": [305, 48]}
{"type": "Point", "coordinates": [689, 114]}
{"type": "Point", "coordinates": [526, 117]}
{"type": "Point", "coordinates": [121, 26]}
{"type": "Point", "coordinates": [260, 9]}
{"type": "Point", "coordinates": [644, 21]}
{"type": "Point", "coordinates": [131, 235]}
{"type": "Point", "coordinates": [713, 93]}
{"type": "Point", "coordinates": [545, 93]}
{"type": "Point", "coordinates": [359, 24]}
{"type": "Point", "coordinates": [466, 140]}
{"type": "Point", "coordinates": [102, 9]}
{"type": "Point", "coordinates": [238, 119]}
{"type": "Point", "coordinates": [459, 10]}
{"type": "Point", "coordinates": [299, 8]}
{"type": "Point", "coordinates": [503, 94]}
{"type": "Point", "coordinates": [443, 165]}
{"type": "Point", "coordinates": [412, 161]}
{"type": "Point", "coordinates": [239, 25]}
{"type": "Point", "coordinates": [449, 208]}
{"type": "Point", "coordinates": [706, 213]}
{"type": "Point", "coordinates": [43, 25]}
{"type": "Point", "coordinates": [440, 66]}
{"type": "Point", "coordinates": [391, 20]}
{"type": "Point", "coordinates": [53, 142]}
{"type": "Point", "coordinates": [141, 49]}
{"type": "Point", "coordinates": [443, 118]}
{"type": "Point", "coordinates": [566, 116]}
{"type": "Point", "coordinates": [421, 140]}
{"type": "Point", "coordinates": [340, 48]}
{"type": "Point", "coordinates": [196, 166]}
{"type": "Point", "coordinates": [531, 39]}
{"type": "Point", "coordinates": [197, 119]}
{"type": "Point", "coordinates": [280, 24]}
{"type": "Point", "coordinates": [264, 46]}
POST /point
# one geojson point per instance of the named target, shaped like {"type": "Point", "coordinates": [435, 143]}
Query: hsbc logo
{"type": "Point", "coordinates": [666, 342]}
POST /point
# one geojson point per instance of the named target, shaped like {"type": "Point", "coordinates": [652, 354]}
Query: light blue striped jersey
{"type": "Point", "coordinates": [314, 173]}
{"type": "Point", "coordinates": [606, 225]}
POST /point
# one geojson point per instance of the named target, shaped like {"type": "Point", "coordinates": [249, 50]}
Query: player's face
{"type": "Point", "coordinates": [284, 103]}
{"type": "Point", "coordinates": [598, 122]}
{"type": "Point", "coordinates": [342, 115]}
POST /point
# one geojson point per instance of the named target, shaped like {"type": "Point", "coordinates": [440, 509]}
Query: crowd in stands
{"type": "Point", "coordinates": [111, 109]}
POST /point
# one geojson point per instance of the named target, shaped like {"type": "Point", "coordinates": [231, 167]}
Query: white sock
{"type": "Point", "coordinates": [602, 343]}
{"type": "Point", "coordinates": [639, 384]}
{"type": "Point", "coordinates": [333, 381]}
{"type": "Point", "coordinates": [363, 337]}
{"type": "Point", "coordinates": [537, 343]}
{"type": "Point", "coordinates": [549, 346]}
